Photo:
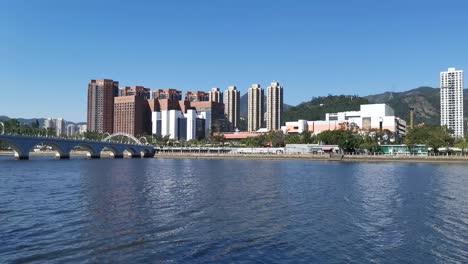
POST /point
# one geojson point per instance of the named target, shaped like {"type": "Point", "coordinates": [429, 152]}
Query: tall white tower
{"type": "Point", "coordinates": [216, 95]}
{"type": "Point", "coordinates": [451, 101]}
{"type": "Point", "coordinates": [255, 108]}
{"type": "Point", "coordinates": [274, 106]}
{"type": "Point", "coordinates": [232, 106]}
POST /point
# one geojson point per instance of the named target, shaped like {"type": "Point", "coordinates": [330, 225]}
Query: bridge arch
{"type": "Point", "coordinates": [56, 147]}
{"type": "Point", "coordinates": [18, 151]}
{"type": "Point", "coordinates": [115, 152]}
{"type": "Point", "coordinates": [134, 139]}
{"type": "Point", "coordinates": [132, 151]}
{"type": "Point", "coordinates": [145, 153]}
{"type": "Point", "coordinates": [88, 148]}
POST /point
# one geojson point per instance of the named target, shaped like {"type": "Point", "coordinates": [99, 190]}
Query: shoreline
{"type": "Point", "coordinates": [304, 157]}
{"type": "Point", "coordinates": [300, 157]}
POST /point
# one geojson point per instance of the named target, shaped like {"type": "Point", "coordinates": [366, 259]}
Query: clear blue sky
{"type": "Point", "coordinates": [49, 50]}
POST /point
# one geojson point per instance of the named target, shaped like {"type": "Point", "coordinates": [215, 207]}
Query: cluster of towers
{"type": "Point", "coordinates": [138, 110]}
{"type": "Point", "coordinates": [257, 116]}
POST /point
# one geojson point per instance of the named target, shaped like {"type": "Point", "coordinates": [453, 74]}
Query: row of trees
{"type": "Point", "coordinates": [347, 140]}
{"type": "Point", "coordinates": [435, 137]}
{"type": "Point", "coordinates": [13, 126]}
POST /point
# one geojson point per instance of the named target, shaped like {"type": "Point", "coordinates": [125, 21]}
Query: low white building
{"type": "Point", "coordinates": [58, 124]}
{"type": "Point", "coordinates": [370, 117]}
{"type": "Point", "coordinates": [181, 126]}
{"type": "Point", "coordinates": [74, 129]}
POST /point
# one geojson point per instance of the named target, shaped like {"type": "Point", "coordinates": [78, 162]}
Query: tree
{"type": "Point", "coordinates": [462, 144]}
{"type": "Point", "coordinates": [434, 137]}
{"type": "Point", "coordinates": [369, 144]}
{"type": "Point", "coordinates": [346, 140]}
{"type": "Point", "coordinates": [218, 139]}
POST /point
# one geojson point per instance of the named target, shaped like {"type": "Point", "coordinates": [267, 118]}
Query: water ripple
{"type": "Point", "coordinates": [218, 211]}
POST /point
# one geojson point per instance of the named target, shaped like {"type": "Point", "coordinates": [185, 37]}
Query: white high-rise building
{"type": "Point", "coordinates": [71, 130]}
{"type": "Point", "coordinates": [255, 108]}
{"type": "Point", "coordinates": [274, 106]}
{"type": "Point", "coordinates": [60, 128]}
{"type": "Point", "coordinates": [451, 101]}
{"type": "Point", "coordinates": [216, 95]}
{"type": "Point", "coordinates": [232, 106]}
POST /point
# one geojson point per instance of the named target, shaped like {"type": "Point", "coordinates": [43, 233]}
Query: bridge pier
{"type": "Point", "coordinates": [22, 157]}
{"type": "Point", "coordinates": [64, 157]}
{"type": "Point", "coordinates": [135, 156]}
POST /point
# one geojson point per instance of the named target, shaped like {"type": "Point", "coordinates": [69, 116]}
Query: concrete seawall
{"type": "Point", "coordinates": [308, 157]}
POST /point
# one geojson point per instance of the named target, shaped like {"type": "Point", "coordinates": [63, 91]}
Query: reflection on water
{"type": "Point", "coordinates": [153, 210]}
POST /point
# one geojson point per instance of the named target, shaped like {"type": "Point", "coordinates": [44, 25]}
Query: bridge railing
{"type": "Point", "coordinates": [72, 139]}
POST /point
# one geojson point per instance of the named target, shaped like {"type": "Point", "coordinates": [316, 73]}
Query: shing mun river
{"type": "Point", "coordinates": [225, 211]}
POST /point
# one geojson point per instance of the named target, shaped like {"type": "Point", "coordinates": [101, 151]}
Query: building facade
{"type": "Point", "coordinates": [232, 107]}
{"type": "Point", "coordinates": [132, 115]}
{"type": "Point", "coordinates": [370, 117]}
{"type": "Point", "coordinates": [58, 124]}
{"type": "Point", "coordinates": [197, 96]}
{"type": "Point", "coordinates": [178, 125]}
{"type": "Point", "coordinates": [135, 90]}
{"type": "Point", "coordinates": [274, 106]}
{"type": "Point", "coordinates": [215, 115]}
{"type": "Point", "coordinates": [60, 128]}
{"type": "Point", "coordinates": [451, 101]}
{"type": "Point", "coordinates": [216, 95]}
{"type": "Point", "coordinates": [255, 112]}
{"type": "Point", "coordinates": [101, 95]}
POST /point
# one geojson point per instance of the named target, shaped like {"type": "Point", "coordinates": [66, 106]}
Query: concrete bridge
{"type": "Point", "coordinates": [22, 145]}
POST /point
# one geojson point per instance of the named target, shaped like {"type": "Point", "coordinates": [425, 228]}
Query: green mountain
{"type": "Point", "coordinates": [29, 121]}
{"type": "Point", "coordinates": [425, 100]}
{"type": "Point", "coordinates": [316, 108]}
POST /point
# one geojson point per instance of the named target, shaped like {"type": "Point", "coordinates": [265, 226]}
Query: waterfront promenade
{"type": "Point", "coordinates": [319, 157]}
{"type": "Point", "coordinates": [259, 156]}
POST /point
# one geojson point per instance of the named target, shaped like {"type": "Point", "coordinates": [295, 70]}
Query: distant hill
{"type": "Point", "coordinates": [29, 121]}
{"type": "Point", "coordinates": [425, 100]}
{"type": "Point", "coordinates": [316, 108]}
{"type": "Point", "coordinates": [244, 102]}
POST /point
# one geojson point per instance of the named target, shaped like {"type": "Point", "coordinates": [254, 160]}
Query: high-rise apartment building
{"type": "Point", "coordinates": [451, 101]}
{"type": "Point", "coordinates": [274, 106]}
{"type": "Point", "coordinates": [197, 96]}
{"type": "Point", "coordinates": [255, 108]}
{"type": "Point", "coordinates": [232, 106]}
{"type": "Point", "coordinates": [101, 95]}
{"type": "Point", "coordinates": [216, 95]}
{"type": "Point", "coordinates": [132, 115]}
{"type": "Point", "coordinates": [60, 129]}
{"type": "Point", "coordinates": [135, 90]}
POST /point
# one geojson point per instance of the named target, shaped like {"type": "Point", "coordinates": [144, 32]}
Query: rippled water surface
{"type": "Point", "coordinates": [199, 211]}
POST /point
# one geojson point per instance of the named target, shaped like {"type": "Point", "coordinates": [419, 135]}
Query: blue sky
{"type": "Point", "coordinates": [49, 50]}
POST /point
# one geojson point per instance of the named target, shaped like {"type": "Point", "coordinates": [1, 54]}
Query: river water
{"type": "Point", "coordinates": [224, 211]}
